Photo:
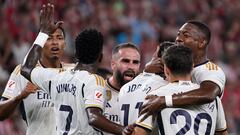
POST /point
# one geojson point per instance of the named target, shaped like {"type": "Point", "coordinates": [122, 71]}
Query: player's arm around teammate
{"type": "Point", "coordinates": [196, 36]}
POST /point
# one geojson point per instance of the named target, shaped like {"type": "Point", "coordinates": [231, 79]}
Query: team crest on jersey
{"type": "Point", "coordinates": [11, 85]}
{"type": "Point", "coordinates": [109, 95]}
{"type": "Point", "coordinates": [98, 96]}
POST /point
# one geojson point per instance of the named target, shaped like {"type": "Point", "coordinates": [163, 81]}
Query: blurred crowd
{"type": "Point", "coordinates": [143, 22]}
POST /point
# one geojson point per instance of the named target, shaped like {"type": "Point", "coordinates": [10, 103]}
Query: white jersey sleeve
{"type": "Point", "coordinates": [13, 87]}
{"type": "Point", "coordinates": [209, 72]}
{"type": "Point", "coordinates": [221, 124]}
{"type": "Point", "coordinates": [94, 93]}
{"type": "Point", "coordinates": [41, 77]}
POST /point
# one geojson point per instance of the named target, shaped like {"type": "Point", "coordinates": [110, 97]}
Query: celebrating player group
{"type": "Point", "coordinates": [178, 93]}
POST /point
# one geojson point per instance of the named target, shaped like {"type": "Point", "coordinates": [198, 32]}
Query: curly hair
{"type": "Point", "coordinates": [89, 45]}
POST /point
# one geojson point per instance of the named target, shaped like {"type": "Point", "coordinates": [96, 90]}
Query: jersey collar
{"type": "Point", "coordinates": [201, 63]}
{"type": "Point", "coordinates": [109, 84]}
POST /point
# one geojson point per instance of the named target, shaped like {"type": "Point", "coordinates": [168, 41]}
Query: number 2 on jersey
{"type": "Point", "coordinates": [67, 108]}
{"type": "Point", "coordinates": [125, 108]}
{"type": "Point", "coordinates": [187, 126]}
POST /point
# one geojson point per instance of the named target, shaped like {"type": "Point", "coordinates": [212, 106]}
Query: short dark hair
{"type": "Point", "coordinates": [203, 28]}
{"type": "Point", "coordinates": [125, 45]}
{"type": "Point", "coordinates": [89, 45]}
{"type": "Point", "coordinates": [163, 46]}
{"type": "Point", "coordinates": [61, 28]}
{"type": "Point", "coordinates": [178, 59]}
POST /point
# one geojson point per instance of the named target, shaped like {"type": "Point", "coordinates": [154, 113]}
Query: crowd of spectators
{"type": "Point", "coordinates": [143, 22]}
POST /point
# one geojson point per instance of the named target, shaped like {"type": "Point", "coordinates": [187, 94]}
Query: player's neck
{"type": "Point", "coordinates": [113, 83]}
{"type": "Point", "coordinates": [200, 58]}
{"type": "Point", "coordinates": [180, 78]}
{"type": "Point", "coordinates": [88, 67]}
{"type": "Point", "coordinates": [50, 63]}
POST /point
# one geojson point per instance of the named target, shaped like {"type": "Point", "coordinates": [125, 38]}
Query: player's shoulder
{"type": "Point", "coordinates": [67, 65]}
{"type": "Point", "coordinates": [17, 70]}
{"type": "Point", "coordinates": [207, 67]}
{"type": "Point", "coordinates": [95, 79]}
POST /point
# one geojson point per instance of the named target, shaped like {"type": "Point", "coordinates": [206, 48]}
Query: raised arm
{"type": "Point", "coordinates": [46, 27]}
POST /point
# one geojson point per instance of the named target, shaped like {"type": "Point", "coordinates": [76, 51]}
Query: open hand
{"type": "Point", "coordinates": [47, 19]}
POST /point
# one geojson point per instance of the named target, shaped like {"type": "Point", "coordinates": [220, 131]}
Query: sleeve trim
{"type": "Point", "coordinates": [221, 129]}
{"type": "Point", "coordinates": [217, 83]}
{"type": "Point", "coordinates": [7, 96]}
{"type": "Point", "coordinates": [93, 105]}
{"type": "Point", "coordinates": [146, 129]}
{"type": "Point", "coordinates": [149, 127]}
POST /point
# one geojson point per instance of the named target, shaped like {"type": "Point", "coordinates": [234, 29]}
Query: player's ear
{"type": "Point", "coordinates": [113, 64]}
{"type": "Point", "coordinates": [203, 43]}
{"type": "Point", "coordinates": [166, 71]}
{"type": "Point", "coordinates": [100, 58]}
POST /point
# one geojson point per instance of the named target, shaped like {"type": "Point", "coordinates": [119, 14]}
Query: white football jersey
{"type": "Point", "coordinates": [36, 109]}
{"type": "Point", "coordinates": [72, 92]}
{"type": "Point", "coordinates": [111, 110]}
{"type": "Point", "coordinates": [132, 95]}
{"type": "Point", "coordinates": [189, 120]}
{"type": "Point", "coordinates": [209, 71]}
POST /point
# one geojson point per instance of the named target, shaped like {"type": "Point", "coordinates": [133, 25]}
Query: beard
{"type": "Point", "coordinates": [120, 76]}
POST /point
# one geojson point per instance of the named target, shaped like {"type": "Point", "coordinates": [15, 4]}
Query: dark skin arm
{"type": "Point", "coordinates": [207, 92]}
{"type": "Point", "coordinates": [32, 57]}
{"type": "Point", "coordinates": [221, 133]}
{"type": "Point", "coordinates": [97, 120]}
{"type": "Point", "coordinates": [7, 106]}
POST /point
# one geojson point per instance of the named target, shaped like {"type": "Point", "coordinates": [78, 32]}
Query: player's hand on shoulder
{"type": "Point", "coordinates": [128, 129]}
{"type": "Point", "coordinates": [30, 88]}
{"type": "Point", "coordinates": [47, 19]}
{"type": "Point", "coordinates": [154, 66]}
{"type": "Point", "coordinates": [153, 105]}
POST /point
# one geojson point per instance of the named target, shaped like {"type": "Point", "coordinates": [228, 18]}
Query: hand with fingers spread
{"type": "Point", "coordinates": [47, 19]}
{"type": "Point", "coordinates": [153, 106]}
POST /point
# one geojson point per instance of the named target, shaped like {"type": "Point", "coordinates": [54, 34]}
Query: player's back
{"type": "Point", "coordinates": [72, 92]}
{"type": "Point", "coordinates": [132, 95]}
{"type": "Point", "coordinates": [189, 120]}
